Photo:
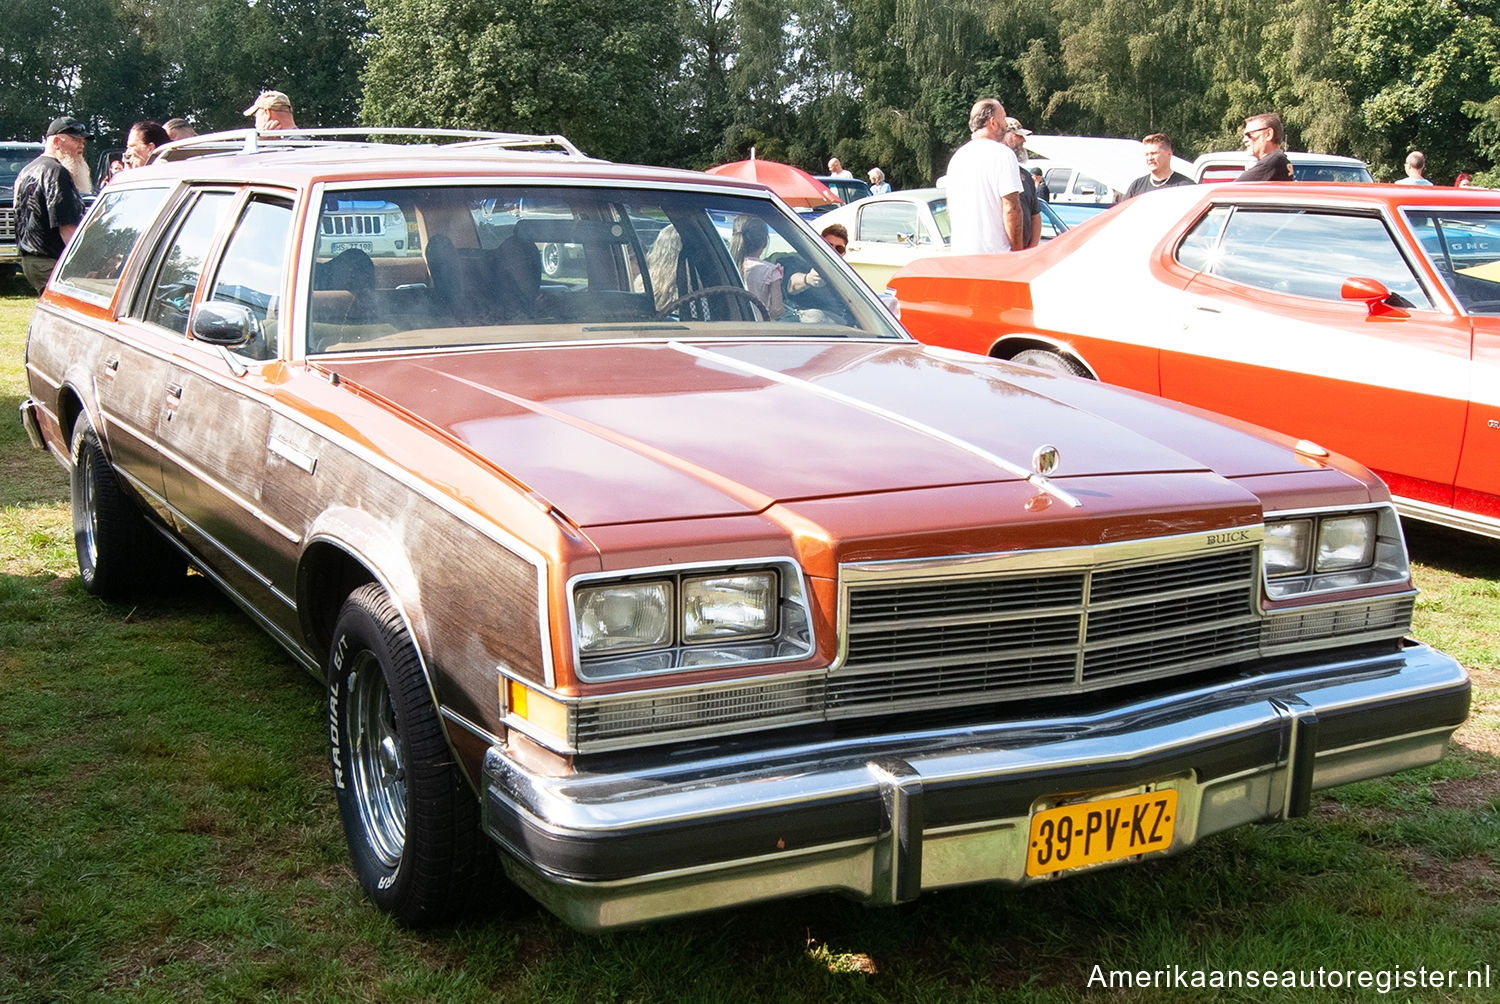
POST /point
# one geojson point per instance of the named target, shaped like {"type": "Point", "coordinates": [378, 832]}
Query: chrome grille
{"type": "Point", "coordinates": [944, 643]}
{"type": "Point", "coordinates": [698, 711]}
{"type": "Point", "coordinates": [354, 225]}
{"type": "Point", "coordinates": [7, 224]}
{"type": "Point", "coordinates": [1039, 625]}
{"type": "Point", "coordinates": [1334, 624]}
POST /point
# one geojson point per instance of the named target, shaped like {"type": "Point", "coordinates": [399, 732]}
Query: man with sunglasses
{"type": "Point", "coordinates": [805, 292]}
{"type": "Point", "coordinates": [1263, 136]}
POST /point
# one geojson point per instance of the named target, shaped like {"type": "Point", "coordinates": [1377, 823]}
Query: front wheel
{"type": "Point", "coordinates": [411, 822]}
{"type": "Point", "coordinates": [1045, 359]}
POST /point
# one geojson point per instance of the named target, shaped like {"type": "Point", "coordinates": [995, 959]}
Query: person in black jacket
{"type": "Point", "coordinates": [1159, 173]}
{"type": "Point", "coordinates": [1264, 135]}
{"type": "Point", "coordinates": [48, 203]}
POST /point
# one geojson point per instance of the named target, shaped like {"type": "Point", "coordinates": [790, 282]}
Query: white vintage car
{"type": "Point", "coordinates": [888, 231]}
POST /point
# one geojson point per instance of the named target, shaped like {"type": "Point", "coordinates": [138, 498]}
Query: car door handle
{"type": "Point", "coordinates": [112, 364]}
{"type": "Point", "coordinates": [174, 391]}
{"type": "Point", "coordinates": [1205, 308]}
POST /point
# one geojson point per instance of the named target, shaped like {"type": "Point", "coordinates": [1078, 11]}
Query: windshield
{"type": "Point", "coordinates": [420, 267]}
{"type": "Point", "coordinates": [1330, 172]}
{"type": "Point", "coordinates": [1464, 248]}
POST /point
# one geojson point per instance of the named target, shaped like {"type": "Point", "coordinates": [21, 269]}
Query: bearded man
{"type": "Point", "coordinates": [49, 199]}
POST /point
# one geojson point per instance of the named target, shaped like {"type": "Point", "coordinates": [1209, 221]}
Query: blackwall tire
{"type": "Point", "coordinates": [120, 553]}
{"type": "Point", "coordinates": [411, 822]}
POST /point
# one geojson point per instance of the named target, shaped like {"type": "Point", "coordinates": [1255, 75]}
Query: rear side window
{"type": "Point", "coordinates": [1305, 254]}
{"type": "Point", "coordinates": [890, 223]}
{"type": "Point", "coordinates": [1200, 248]}
{"type": "Point", "coordinates": [180, 263]}
{"type": "Point", "coordinates": [1084, 185]}
{"type": "Point", "coordinates": [96, 255]}
{"type": "Point", "coordinates": [1329, 172]}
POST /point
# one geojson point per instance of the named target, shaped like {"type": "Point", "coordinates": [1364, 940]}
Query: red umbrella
{"type": "Point", "coordinates": [795, 186]}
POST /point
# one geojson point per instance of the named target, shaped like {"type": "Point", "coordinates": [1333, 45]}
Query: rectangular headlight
{"type": "Point", "coordinates": [1346, 542]}
{"type": "Point", "coordinates": [1287, 546]}
{"type": "Point", "coordinates": [722, 607]}
{"type": "Point", "coordinates": [625, 617]}
{"type": "Point", "coordinates": [690, 617]}
{"type": "Point", "coordinates": [1326, 552]}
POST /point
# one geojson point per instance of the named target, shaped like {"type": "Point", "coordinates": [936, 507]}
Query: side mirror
{"type": "Point", "coordinates": [227, 324]}
{"type": "Point", "coordinates": [1373, 293]}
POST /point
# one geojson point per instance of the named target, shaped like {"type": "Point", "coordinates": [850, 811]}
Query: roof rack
{"type": "Point", "coordinates": [254, 141]}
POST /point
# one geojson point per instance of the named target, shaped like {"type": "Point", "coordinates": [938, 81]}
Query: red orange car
{"type": "Point", "coordinates": [1365, 318]}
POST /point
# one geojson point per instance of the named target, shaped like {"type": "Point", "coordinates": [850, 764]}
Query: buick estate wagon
{"type": "Point", "coordinates": [664, 593]}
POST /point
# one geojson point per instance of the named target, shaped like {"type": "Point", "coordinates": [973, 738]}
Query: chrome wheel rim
{"type": "Point", "coordinates": [551, 259]}
{"type": "Point", "coordinates": [377, 759]}
{"type": "Point", "coordinates": [87, 526]}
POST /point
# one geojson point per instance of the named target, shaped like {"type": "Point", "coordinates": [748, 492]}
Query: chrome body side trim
{"type": "Point", "coordinates": [146, 492]}
{"type": "Point", "coordinates": [255, 512]}
{"type": "Point", "coordinates": [456, 720]}
{"type": "Point", "coordinates": [286, 641]}
{"type": "Point", "coordinates": [1456, 519]}
{"type": "Point", "coordinates": [884, 817]}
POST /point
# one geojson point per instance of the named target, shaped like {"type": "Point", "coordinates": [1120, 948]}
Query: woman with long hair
{"type": "Point", "coordinates": [747, 242]}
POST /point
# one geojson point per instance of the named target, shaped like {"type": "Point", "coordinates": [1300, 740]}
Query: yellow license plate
{"type": "Point", "coordinates": [1086, 833]}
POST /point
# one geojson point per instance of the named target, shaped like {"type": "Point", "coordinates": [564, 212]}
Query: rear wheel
{"type": "Point", "coordinates": [411, 822]}
{"type": "Point", "coordinates": [551, 260]}
{"type": "Point", "coordinates": [119, 552]}
{"type": "Point", "coordinates": [1045, 359]}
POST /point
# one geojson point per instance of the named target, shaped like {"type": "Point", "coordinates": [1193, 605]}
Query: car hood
{"type": "Point", "coordinates": [618, 432]}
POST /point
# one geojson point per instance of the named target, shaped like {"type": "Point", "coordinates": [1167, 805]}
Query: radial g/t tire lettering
{"type": "Point", "coordinates": [411, 822]}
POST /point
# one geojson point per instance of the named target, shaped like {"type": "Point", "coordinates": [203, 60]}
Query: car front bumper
{"type": "Point", "coordinates": [883, 818]}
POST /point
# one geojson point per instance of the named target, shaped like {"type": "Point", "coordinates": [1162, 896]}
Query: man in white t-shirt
{"type": "Point", "coordinates": [984, 186]}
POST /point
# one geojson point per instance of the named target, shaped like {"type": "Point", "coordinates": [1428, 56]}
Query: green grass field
{"type": "Point", "coordinates": [168, 833]}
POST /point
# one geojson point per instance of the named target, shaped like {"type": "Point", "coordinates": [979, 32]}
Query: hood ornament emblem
{"type": "Point", "coordinates": [1045, 460]}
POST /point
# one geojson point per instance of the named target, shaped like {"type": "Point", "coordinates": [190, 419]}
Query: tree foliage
{"type": "Point", "coordinates": [695, 82]}
{"type": "Point", "coordinates": [1415, 64]}
{"type": "Point", "coordinates": [593, 70]}
{"type": "Point", "coordinates": [112, 62]}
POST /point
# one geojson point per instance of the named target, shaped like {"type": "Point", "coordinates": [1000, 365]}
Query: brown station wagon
{"type": "Point", "coordinates": [680, 593]}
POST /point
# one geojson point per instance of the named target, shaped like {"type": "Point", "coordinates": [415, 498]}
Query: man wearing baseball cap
{"type": "Point", "coordinates": [272, 110]}
{"type": "Point", "coordinates": [1031, 212]}
{"type": "Point", "coordinates": [47, 200]}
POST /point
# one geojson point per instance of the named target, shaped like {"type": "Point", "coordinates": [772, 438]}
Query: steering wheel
{"type": "Point", "coordinates": [706, 292]}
